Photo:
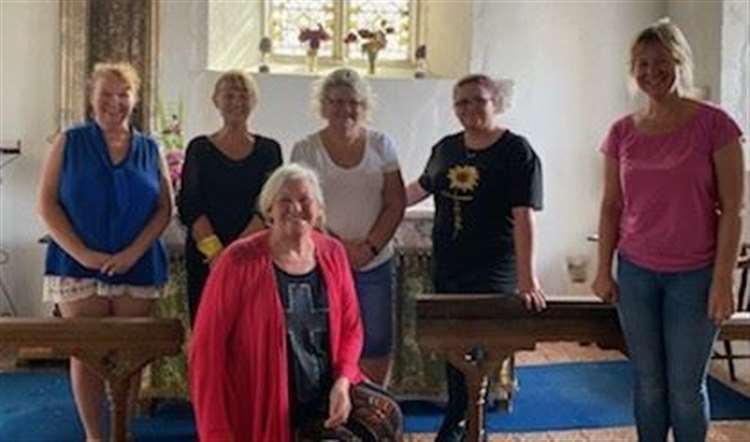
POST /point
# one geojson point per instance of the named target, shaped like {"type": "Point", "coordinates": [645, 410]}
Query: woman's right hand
{"type": "Point", "coordinates": [91, 259]}
{"type": "Point", "coordinates": [605, 287]}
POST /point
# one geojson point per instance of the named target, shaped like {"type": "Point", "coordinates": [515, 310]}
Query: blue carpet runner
{"type": "Point", "coordinates": [38, 406]}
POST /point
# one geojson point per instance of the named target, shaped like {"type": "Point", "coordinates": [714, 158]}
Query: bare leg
{"type": "Point", "coordinates": [378, 370]}
{"type": "Point", "coordinates": [88, 388]}
{"type": "Point", "coordinates": [127, 306]}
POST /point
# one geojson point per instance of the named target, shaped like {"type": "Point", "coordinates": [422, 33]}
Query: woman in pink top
{"type": "Point", "coordinates": [672, 209]}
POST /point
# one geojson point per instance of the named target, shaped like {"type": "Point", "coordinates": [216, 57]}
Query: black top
{"type": "Point", "coordinates": [475, 192]}
{"type": "Point", "coordinates": [308, 349]}
{"type": "Point", "coordinates": [224, 189]}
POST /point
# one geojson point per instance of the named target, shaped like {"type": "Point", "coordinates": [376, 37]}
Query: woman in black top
{"type": "Point", "coordinates": [486, 182]}
{"type": "Point", "coordinates": [221, 179]}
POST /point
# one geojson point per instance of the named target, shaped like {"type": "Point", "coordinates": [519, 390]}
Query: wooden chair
{"type": "Point", "coordinates": [743, 265]}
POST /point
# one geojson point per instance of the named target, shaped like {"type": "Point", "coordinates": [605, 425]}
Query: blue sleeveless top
{"type": "Point", "coordinates": [109, 205]}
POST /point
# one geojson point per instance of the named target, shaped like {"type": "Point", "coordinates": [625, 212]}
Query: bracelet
{"type": "Point", "coordinates": [374, 250]}
{"type": "Point", "coordinates": [210, 246]}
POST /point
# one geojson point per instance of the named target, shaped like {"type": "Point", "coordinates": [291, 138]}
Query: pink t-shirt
{"type": "Point", "coordinates": [669, 190]}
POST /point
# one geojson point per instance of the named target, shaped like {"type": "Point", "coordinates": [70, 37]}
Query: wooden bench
{"type": "Point", "coordinates": [476, 333]}
{"type": "Point", "coordinates": [114, 348]}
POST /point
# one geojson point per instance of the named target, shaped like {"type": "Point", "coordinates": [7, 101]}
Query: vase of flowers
{"type": "Point", "coordinates": [313, 37]}
{"type": "Point", "coordinates": [420, 55]}
{"type": "Point", "coordinates": [373, 41]}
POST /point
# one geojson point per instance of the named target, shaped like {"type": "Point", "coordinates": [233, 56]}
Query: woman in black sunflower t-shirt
{"type": "Point", "coordinates": [487, 182]}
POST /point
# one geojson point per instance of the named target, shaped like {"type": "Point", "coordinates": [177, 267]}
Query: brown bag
{"type": "Point", "coordinates": [375, 417]}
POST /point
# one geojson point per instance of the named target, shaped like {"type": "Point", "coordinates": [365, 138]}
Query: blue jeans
{"type": "Point", "coordinates": [664, 317]}
{"type": "Point", "coordinates": [375, 294]}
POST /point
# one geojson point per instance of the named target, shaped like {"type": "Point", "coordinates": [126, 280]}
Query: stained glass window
{"type": "Point", "coordinates": [394, 18]}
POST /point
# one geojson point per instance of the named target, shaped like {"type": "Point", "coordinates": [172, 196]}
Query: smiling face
{"type": "Point", "coordinates": [475, 106]}
{"type": "Point", "coordinates": [234, 102]}
{"type": "Point", "coordinates": [295, 210]}
{"type": "Point", "coordinates": [112, 100]}
{"type": "Point", "coordinates": [654, 70]}
{"type": "Point", "coordinates": [343, 108]}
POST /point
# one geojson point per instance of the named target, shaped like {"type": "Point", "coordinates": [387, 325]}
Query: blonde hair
{"type": "Point", "coordinates": [123, 71]}
{"type": "Point", "coordinates": [501, 89]}
{"type": "Point", "coordinates": [665, 33]}
{"type": "Point", "coordinates": [239, 80]}
{"type": "Point", "coordinates": [343, 77]}
{"type": "Point", "coordinates": [281, 176]}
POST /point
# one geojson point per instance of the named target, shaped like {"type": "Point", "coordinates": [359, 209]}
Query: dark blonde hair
{"type": "Point", "coordinates": [123, 71]}
{"type": "Point", "coordinates": [501, 90]}
{"type": "Point", "coordinates": [665, 33]}
{"type": "Point", "coordinates": [239, 80]}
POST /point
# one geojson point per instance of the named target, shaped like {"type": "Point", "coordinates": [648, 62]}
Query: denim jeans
{"type": "Point", "coordinates": [375, 295]}
{"type": "Point", "coordinates": [664, 317]}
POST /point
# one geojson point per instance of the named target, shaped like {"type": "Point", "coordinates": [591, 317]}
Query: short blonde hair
{"type": "Point", "coordinates": [239, 80]}
{"type": "Point", "coordinates": [281, 176]}
{"type": "Point", "coordinates": [343, 77]}
{"type": "Point", "coordinates": [664, 32]}
{"type": "Point", "coordinates": [123, 71]}
{"type": "Point", "coordinates": [501, 89]}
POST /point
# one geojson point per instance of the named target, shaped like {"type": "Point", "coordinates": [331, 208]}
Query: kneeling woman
{"type": "Point", "coordinates": [278, 337]}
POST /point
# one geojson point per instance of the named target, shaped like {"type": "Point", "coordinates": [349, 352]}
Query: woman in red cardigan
{"type": "Point", "coordinates": [277, 341]}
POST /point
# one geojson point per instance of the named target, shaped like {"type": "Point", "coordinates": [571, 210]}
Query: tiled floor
{"type": "Point", "coordinates": [735, 431]}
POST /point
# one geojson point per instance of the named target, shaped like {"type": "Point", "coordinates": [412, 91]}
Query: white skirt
{"type": "Point", "coordinates": [64, 289]}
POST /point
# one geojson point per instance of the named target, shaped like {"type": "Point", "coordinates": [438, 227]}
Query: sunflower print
{"type": "Point", "coordinates": [463, 178]}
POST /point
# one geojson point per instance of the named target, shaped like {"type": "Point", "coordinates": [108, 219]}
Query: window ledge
{"type": "Point", "coordinates": [301, 70]}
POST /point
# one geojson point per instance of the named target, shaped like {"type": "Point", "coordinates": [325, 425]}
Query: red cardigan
{"type": "Point", "coordinates": [238, 351]}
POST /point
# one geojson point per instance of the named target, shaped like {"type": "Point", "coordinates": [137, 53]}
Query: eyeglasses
{"type": "Point", "coordinates": [476, 101]}
{"type": "Point", "coordinates": [338, 102]}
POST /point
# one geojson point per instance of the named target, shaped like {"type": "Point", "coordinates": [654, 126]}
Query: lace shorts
{"type": "Point", "coordinates": [64, 289]}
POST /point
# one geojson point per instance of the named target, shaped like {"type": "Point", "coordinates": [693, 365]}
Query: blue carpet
{"type": "Point", "coordinates": [572, 396]}
{"type": "Point", "coordinates": [38, 406]}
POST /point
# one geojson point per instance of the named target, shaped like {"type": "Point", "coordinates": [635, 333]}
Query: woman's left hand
{"type": "Point", "coordinates": [120, 262]}
{"type": "Point", "coordinates": [340, 405]}
{"type": "Point", "coordinates": [720, 301]}
{"type": "Point", "coordinates": [532, 295]}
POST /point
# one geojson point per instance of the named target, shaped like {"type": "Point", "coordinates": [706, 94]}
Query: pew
{"type": "Point", "coordinates": [476, 333]}
{"type": "Point", "coordinates": [114, 348]}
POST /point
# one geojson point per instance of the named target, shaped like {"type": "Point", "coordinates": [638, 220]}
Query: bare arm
{"type": "Point", "coordinates": [415, 193]}
{"type": "Point", "coordinates": [609, 225]}
{"type": "Point", "coordinates": [523, 241]}
{"type": "Point", "coordinates": [54, 217]}
{"type": "Point", "coordinates": [728, 165]}
{"type": "Point", "coordinates": [391, 213]}
{"type": "Point", "coordinates": [123, 260]}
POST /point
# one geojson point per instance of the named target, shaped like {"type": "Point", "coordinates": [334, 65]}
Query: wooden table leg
{"type": "Point", "coordinates": [476, 367]}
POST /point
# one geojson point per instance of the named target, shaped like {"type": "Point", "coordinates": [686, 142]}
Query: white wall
{"type": "Point", "coordinates": [569, 62]}
{"type": "Point", "coordinates": [29, 96]}
{"type": "Point", "coordinates": [700, 21]}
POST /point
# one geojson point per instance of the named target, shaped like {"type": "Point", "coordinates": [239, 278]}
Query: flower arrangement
{"type": "Point", "coordinates": [169, 134]}
{"type": "Point", "coordinates": [313, 37]}
{"type": "Point", "coordinates": [373, 41]}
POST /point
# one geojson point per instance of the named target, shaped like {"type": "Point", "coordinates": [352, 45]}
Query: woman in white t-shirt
{"type": "Point", "coordinates": [365, 201]}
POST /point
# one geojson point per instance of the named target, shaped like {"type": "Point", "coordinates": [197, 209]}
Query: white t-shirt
{"type": "Point", "coordinates": [353, 196]}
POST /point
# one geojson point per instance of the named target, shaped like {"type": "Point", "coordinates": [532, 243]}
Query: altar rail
{"type": "Point", "coordinates": [114, 348]}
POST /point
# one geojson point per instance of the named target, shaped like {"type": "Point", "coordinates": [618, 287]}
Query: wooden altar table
{"type": "Point", "coordinates": [114, 348]}
{"type": "Point", "coordinates": [476, 333]}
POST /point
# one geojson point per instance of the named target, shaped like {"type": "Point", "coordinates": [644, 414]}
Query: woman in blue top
{"type": "Point", "coordinates": [105, 201]}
